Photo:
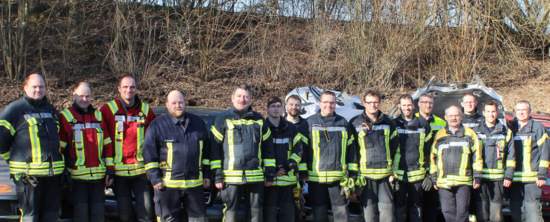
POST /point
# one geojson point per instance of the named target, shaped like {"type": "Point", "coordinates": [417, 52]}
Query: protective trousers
{"type": "Point", "coordinates": [192, 200]}
{"type": "Point", "coordinates": [253, 195]}
{"type": "Point", "coordinates": [455, 203]}
{"type": "Point", "coordinates": [142, 190]}
{"type": "Point", "coordinates": [281, 198]}
{"type": "Point", "coordinates": [88, 199]}
{"type": "Point", "coordinates": [377, 201]}
{"type": "Point", "coordinates": [431, 208]}
{"type": "Point", "coordinates": [525, 202]}
{"type": "Point", "coordinates": [321, 194]}
{"type": "Point", "coordinates": [409, 198]}
{"type": "Point", "coordinates": [40, 203]}
{"type": "Point", "coordinates": [488, 201]}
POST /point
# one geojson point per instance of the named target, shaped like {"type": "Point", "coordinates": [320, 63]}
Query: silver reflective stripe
{"type": "Point", "coordinates": [129, 118]}
{"type": "Point", "coordinates": [497, 137]}
{"type": "Point", "coordinates": [458, 144]}
{"type": "Point", "coordinates": [38, 115]}
{"type": "Point", "coordinates": [406, 131]}
{"type": "Point", "coordinates": [522, 137]}
{"type": "Point", "coordinates": [436, 127]}
{"type": "Point", "coordinates": [380, 127]}
{"type": "Point", "coordinates": [81, 126]}
{"type": "Point", "coordinates": [443, 146]}
{"type": "Point", "coordinates": [481, 136]}
{"type": "Point", "coordinates": [280, 140]}
{"type": "Point", "coordinates": [330, 129]}
{"type": "Point", "coordinates": [470, 125]}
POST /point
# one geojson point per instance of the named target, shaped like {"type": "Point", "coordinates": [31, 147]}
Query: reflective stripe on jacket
{"type": "Point", "coordinates": [177, 154]}
{"type": "Point", "coordinates": [377, 143]}
{"type": "Point", "coordinates": [287, 145]}
{"type": "Point", "coordinates": [86, 143]}
{"type": "Point", "coordinates": [455, 158]}
{"type": "Point", "coordinates": [127, 126]}
{"type": "Point", "coordinates": [412, 157]}
{"type": "Point", "coordinates": [532, 151]}
{"type": "Point", "coordinates": [498, 151]}
{"type": "Point", "coordinates": [241, 147]}
{"type": "Point", "coordinates": [472, 121]}
{"type": "Point", "coordinates": [29, 138]}
{"type": "Point", "coordinates": [329, 149]}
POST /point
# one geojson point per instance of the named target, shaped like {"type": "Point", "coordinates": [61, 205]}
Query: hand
{"type": "Point", "coordinates": [158, 186]}
{"type": "Point", "coordinates": [540, 183]}
{"type": "Point", "coordinates": [108, 181]}
{"type": "Point", "coordinates": [281, 171]}
{"type": "Point", "coordinates": [219, 186]}
{"type": "Point", "coordinates": [268, 183]}
{"type": "Point", "coordinates": [206, 183]}
{"type": "Point", "coordinates": [304, 181]}
{"type": "Point", "coordinates": [476, 185]}
{"type": "Point", "coordinates": [436, 186]}
{"type": "Point", "coordinates": [507, 183]}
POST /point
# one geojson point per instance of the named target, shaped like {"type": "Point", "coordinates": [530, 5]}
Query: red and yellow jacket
{"type": "Point", "coordinates": [127, 126]}
{"type": "Point", "coordinates": [85, 142]}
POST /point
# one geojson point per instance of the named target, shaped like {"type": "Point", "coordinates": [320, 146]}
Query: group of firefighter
{"type": "Point", "coordinates": [400, 169]}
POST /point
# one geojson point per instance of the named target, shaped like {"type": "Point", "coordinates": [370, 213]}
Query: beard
{"type": "Point", "coordinates": [179, 113]}
{"type": "Point", "coordinates": [293, 112]}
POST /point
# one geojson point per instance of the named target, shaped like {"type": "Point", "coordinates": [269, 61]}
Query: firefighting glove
{"type": "Point", "coordinates": [393, 183]}
{"type": "Point", "coordinates": [66, 181]}
{"type": "Point", "coordinates": [347, 186]}
{"type": "Point", "coordinates": [427, 184]}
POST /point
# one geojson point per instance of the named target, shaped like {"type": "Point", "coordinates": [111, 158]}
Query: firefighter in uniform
{"type": "Point", "coordinates": [88, 152]}
{"type": "Point", "coordinates": [29, 142]}
{"type": "Point", "coordinates": [288, 153]}
{"type": "Point", "coordinates": [411, 161]}
{"type": "Point", "coordinates": [242, 159]}
{"type": "Point", "coordinates": [456, 165]}
{"type": "Point", "coordinates": [177, 160]}
{"type": "Point", "coordinates": [127, 118]}
{"type": "Point", "coordinates": [498, 164]}
{"type": "Point", "coordinates": [471, 118]}
{"type": "Point", "coordinates": [328, 163]}
{"type": "Point", "coordinates": [431, 197]}
{"type": "Point", "coordinates": [532, 159]}
{"type": "Point", "coordinates": [293, 106]}
{"type": "Point", "coordinates": [377, 143]}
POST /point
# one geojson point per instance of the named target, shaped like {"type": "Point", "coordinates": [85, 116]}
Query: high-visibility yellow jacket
{"type": "Point", "coordinates": [456, 158]}
{"type": "Point", "coordinates": [532, 151]}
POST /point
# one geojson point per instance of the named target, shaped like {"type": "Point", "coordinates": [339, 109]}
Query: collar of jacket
{"type": "Point", "coordinates": [300, 119]}
{"type": "Point", "coordinates": [379, 118]}
{"type": "Point", "coordinates": [137, 103]}
{"type": "Point", "coordinates": [89, 110]}
{"type": "Point", "coordinates": [410, 125]}
{"type": "Point", "coordinates": [527, 128]}
{"type": "Point", "coordinates": [475, 116]}
{"type": "Point", "coordinates": [499, 127]}
{"type": "Point", "coordinates": [326, 118]}
{"type": "Point", "coordinates": [282, 125]}
{"type": "Point", "coordinates": [430, 120]}
{"type": "Point", "coordinates": [36, 102]}
{"type": "Point", "coordinates": [459, 132]}
{"type": "Point", "coordinates": [175, 120]}
{"type": "Point", "coordinates": [243, 114]}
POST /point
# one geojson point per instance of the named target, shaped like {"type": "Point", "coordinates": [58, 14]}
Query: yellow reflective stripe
{"type": "Point", "coordinates": [169, 155]}
{"type": "Point", "coordinates": [113, 106]}
{"type": "Point", "coordinates": [140, 137]}
{"type": "Point", "coordinates": [525, 176]}
{"type": "Point", "coordinates": [351, 139]}
{"type": "Point", "coordinates": [267, 134]}
{"type": "Point", "coordinates": [269, 162]}
{"type": "Point", "coordinates": [387, 146]}
{"type": "Point", "coordinates": [352, 166]}
{"type": "Point", "coordinates": [527, 155]}
{"type": "Point", "coordinates": [421, 150]}
{"type": "Point", "coordinates": [107, 141]}
{"type": "Point", "coordinates": [393, 135]}
{"type": "Point", "coordinates": [79, 148]}
{"type": "Point", "coordinates": [295, 157]}
{"type": "Point", "coordinates": [230, 145]}
{"type": "Point", "coordinates": [362, 150]}
{"type": "Point", "coordinates": [6, 155]}
{"type": "Point", "coordinates": [35, 141]}
{"type": "Point", "coordinates": [542, 140]}
{"type": "Point", "coordinates": [151, 165]}
{"type": "Point", "coordinates": [344, 146]}
{"type": "Point", "coordinates": [216, 133]}
{"type": "Point", "coordinates": [62, 144]}
{"type": "Point", "coordinates": [88, 173]}
{"type": "Point", "coordinates": [206, 162]}
{"type": "Point", "coordinates": [464, 160]}
{"type": "Point", "coordinates": [544, 163]}
{"type": "Point", "coordinates": [510, 163]}
{"type": "Point", "coordinates": [183, 183]}
{"type": "Point", "coordinates": [8, 126]}
{"type": "Point", "coordinates": [201, 144]}
{"type": "Point", "coordinates": [109, 161]}
{"type": "Point", "coordinates": [304, 139]}
{"type": "Point", "coordinates": [296, 139]}
{"type": "Point", "coordinates": [316, 152]}
{"type": "Point", "coordinates": [509, 136]}
{"type": "Point", "coordinates": [216, 164]}
{"type": "Point", "coordinates": [41, 168]}
{"type": "Point", "coordinates": [119, 136]}
{"type": "Point", "coordinates": [231, 176]}
{"type": "Point", "coordinates": [326, 176]}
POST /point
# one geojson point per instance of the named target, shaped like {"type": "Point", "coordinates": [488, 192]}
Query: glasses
{"type": "Point", "coordinates": [424, 102]}
{"type": "Point", "coordinates": [372, 102]}
{"type": "Point", "coordinates": [275, 106]}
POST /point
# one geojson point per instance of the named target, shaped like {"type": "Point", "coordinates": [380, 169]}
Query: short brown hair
{"type": "Point", "coordinates": [405, 96]}
{"type": "Point", "coordinates": [371, 92]}
{"type": "Point", "coordinates": [274, 99]}
{"type": "Point", "coordinates": [243, 86]}
{"type": "Point", "coordinates": [491, 103]}
{"type": "Point", "coordinates": [295, 97]}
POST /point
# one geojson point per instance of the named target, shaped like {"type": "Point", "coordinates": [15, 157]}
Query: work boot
{"type": "Point", "coordinates": [386, 212]}
{"type": "Point", "coordinates": [319, 213]}
{"type": "Point", "coordinates": [340, 213]}
{"type": "Point", "coordinates": [400, 214]}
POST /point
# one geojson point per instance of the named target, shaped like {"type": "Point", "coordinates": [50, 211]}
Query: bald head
{"type": "Point", "coordinates": [83, 95]}
{"type": "Point", "coordinates": [35, 86]}
{"type": "Point", "coordinates": [175, 104]}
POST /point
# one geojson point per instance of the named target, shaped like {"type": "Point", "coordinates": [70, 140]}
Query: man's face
{"type": "Point", "coordinates": [523, 113]}
{"type": "Point", "coordinates": [83, 96]}
{"type": "Point", "coordinates": [127, 88]}
{"type": "Point", "coordinates": [275, 110]}
{"type": "Point", "coordinates": [175, 103]}
{"type": "Point", "coordinates": [426, 105]}
{"type": "Point", "coordinates": [293, 107]}
{"type": "Point", "coordinates": [35, 87]}
{"type": "Point", "coordinates": [371, 103]}
{"type": "Point", "coordinates": [406, 106]}
{"type": "Point", "coordinates": [469, 103]}
{"type": "Point", "coordinates": [453, 117]}
{"type": "Point", "coordinates": [490, 113]}
{"type": "Point", "coordinates": [241, 99]}
{"type": "Point", "coordinates": [327, 104]}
